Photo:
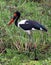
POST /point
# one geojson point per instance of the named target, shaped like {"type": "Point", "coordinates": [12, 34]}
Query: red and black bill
{"type": "Point", "coordinates": [12, 20]}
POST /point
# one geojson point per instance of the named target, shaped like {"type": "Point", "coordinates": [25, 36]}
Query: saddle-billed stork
{"type": "Point", "coordinates": [27, 25]}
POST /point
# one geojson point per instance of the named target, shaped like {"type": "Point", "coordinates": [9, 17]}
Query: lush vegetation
{"type": "Point", "coordinates": [13, 40]}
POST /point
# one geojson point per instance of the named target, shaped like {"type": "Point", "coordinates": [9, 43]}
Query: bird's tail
{"type": "Point", "coordinates": [44, 29]}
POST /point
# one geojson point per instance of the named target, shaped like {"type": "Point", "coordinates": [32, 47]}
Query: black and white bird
{"type": "Point", "coordinates": [26, 25]}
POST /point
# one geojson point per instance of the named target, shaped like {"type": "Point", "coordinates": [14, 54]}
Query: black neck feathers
{"type": "Point", "coordinates": [16, 22]}
{"type": "Point", "coordinates": [18, 16]}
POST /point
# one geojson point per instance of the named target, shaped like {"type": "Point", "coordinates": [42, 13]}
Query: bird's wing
{"type": "Point", "coordinates": [26, 26]}
{"type": "Point", "coordinates": [39, 26]}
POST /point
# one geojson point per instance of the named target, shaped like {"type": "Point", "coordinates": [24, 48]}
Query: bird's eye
{"type": "Point", "coordinates": [15, 14]}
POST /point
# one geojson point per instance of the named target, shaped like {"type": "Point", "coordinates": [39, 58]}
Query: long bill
{"type": "Point", "coordinates": [12, 20]}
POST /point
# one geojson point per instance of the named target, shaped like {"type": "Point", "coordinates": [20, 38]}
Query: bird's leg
{"type": "Point", "coordinates": [35, 46]}
{"type": "Point", "coordinates": [30, 37]}
{"type": "Point", "coordinates": [35, 51]}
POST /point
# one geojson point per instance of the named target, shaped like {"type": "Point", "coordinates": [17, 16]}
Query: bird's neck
{"type": "Point", "coordinates": [16, 21]}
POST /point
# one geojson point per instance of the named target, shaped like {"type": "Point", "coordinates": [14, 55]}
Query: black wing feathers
{"type": "Point", "coordinates": [32, 24]}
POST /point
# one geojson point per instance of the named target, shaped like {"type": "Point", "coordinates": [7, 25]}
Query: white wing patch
{"type": "Point", "coordinates": [41, 29]}
{"type": "Point", "coordinates": [33, 29]}
{"type": "Point", "coordinates": [21, 22]}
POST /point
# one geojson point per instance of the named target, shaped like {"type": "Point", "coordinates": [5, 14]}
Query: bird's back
{"type": "Point", "coordinates": [37, 25]}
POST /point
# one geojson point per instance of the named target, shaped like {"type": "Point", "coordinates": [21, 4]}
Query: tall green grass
{"type": "Point", "coordinates": [11, 34]}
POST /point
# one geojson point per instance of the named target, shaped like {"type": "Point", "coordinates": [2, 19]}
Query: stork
{"type": "Point", "coordinates": [26, 25]}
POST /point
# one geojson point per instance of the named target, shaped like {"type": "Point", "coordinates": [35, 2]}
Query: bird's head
{"type": "Point", "coordinates": [16, 15]}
